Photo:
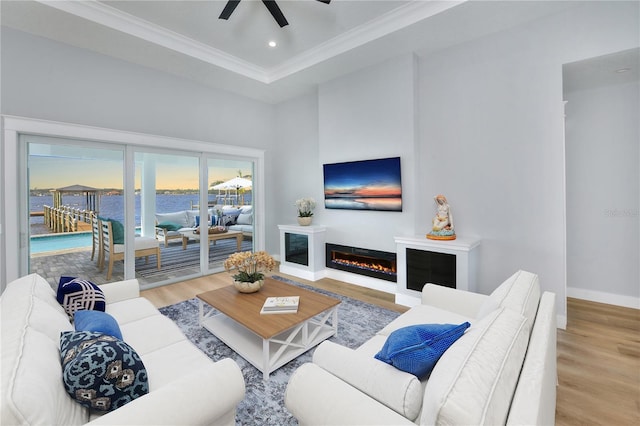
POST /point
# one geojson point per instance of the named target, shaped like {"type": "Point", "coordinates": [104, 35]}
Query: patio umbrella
{"type": "Point", "coordinates": [236, 184]}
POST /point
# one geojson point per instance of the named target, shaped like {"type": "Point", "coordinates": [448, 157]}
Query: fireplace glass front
{"type": "Point", "coordinates": [430, 267]}
{"type": "Point", "coordinates": [367, 262]}
{"type": "Point", "coordinates": [296, 248]}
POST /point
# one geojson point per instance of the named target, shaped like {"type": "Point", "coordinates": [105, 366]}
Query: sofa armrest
{"type": "Point", "coordinates": [316, 397]}
{"type": "Point", "coordinates": [461, 302]}
{"type": "Point", "coordinates": [398, 390]}
{"type": "Point", "coordinates": [534, 400]}
{"type": "Point", "coordinates": [207, 397]}
{"type": "Point", "coordinates": [118, 291]}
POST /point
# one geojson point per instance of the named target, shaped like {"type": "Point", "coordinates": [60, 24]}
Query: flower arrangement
{"type": "Point", "coordinates": [251, 266]}
{"type": "Point", "coordinates": [305, 207]}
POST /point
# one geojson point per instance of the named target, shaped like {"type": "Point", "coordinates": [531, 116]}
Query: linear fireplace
{"type": "Point", "coordinates": [371, 263]}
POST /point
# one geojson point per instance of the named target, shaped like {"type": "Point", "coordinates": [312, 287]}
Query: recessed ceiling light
{"type": "Point", "coordinates": [272, 43]}
{"type": "Point", "coordinates": [621, 70]}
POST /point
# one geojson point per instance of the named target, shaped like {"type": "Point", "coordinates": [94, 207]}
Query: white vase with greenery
{"type": "Point", "coordinates": [305, 208]}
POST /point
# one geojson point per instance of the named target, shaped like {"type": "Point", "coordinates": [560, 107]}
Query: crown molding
{"type": "Point", "coordinates": [394, 20]}
{"type": "Point", "coordinates": [401, 17]}
{"type": "Point", "coordinates": [113, 18]}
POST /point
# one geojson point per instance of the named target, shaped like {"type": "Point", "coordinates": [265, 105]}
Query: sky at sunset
{"type": "Point", "coordinates": [376, 178]}
{"type": "Point", "coordinates": [172, 172]}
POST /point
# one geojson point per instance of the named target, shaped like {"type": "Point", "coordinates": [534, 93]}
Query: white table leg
{"type": "Point", "coordinates": [265, 359]}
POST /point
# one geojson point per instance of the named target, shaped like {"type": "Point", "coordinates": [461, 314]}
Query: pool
{"type": "Point", "coordinates": [60, 242]}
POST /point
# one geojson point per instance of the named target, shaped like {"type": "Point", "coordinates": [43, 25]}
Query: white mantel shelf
{"type": "Point", "coordinates": [459, 244]}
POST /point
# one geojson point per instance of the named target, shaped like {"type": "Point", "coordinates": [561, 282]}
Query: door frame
{"type": "Point", "coordinates": [14, 228]}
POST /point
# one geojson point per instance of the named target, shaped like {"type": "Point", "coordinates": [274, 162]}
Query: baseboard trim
{"type": "Point", "coordinates": [603, 297]}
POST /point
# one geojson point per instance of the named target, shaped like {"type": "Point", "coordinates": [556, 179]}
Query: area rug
{"type": "Point", "coordinates": [264, 401]}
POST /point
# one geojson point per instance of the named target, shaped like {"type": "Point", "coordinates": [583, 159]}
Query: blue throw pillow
{"type": "Point", "coordinates": [117, 228]}
{"type": "Point", "coordinates": [96, 321]}
{"type": "Point", "coordinates": [76, 294]}
{"type": "Point", "coordinates": [100, 371]}
{"type": "Point", "coordinates": [416, 348]}
{"type": "Point", "coordinates": [118, 231]}
{"type": "Point", "coordinates": [169, 226]}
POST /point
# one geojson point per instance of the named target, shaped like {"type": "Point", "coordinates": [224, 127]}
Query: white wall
{"type": "Point", "coordinates": [298, 173]}
{"type": "Point", "coordinates": [42, 79]}
{"type": "Point", "coordinates": [369, 115]}
{"type": "Point", "coordinates": [481, 122]}
{"type": "Point", "coordinates": [491, 122]}
{"type": "Point", "coordinates": [603, 184]}
{"type": "Point", "coordinates": [50, 80]}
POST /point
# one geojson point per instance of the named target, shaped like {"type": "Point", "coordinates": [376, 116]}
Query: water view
{"type": "Point", "coordinates": [43, 240]}
{"type": "Point", "coordinates": [112, 206]}
{"type": "Point", "coordinates": [390, 204]}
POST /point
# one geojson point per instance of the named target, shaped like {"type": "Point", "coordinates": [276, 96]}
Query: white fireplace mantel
{"type": "Point", "coordinates": [313, 266]}
{"type": "Point", "coordinates": [464, 248]}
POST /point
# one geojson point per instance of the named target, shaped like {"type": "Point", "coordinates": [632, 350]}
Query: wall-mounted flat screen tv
{"type": "Point", "coordinates": [363, 185]}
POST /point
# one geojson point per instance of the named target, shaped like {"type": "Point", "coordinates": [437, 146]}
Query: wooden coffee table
{"type": "Point", "coordinates": [189, 235]}
{"type": "Point", "coordinates": [268, 341]}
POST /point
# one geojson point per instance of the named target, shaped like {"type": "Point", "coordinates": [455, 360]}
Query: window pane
{"type": "Point", "coordinates": [68, 184]}
{"type": "Point", "coordinates": [166, 192]}
{"type": "Point", "coordinates": [231, 201]}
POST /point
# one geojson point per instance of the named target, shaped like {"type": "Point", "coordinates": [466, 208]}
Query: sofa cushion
{"type": "Point", "coordinates": [173, 361]}
{"type": "Point", "coordinates": [179, 218]}
{"type": "Point", "coordinates": [130, 310]}
{"type": "Point", "coordinates": [169, 226]}
{"type": "Point", "coordinates": [416, 348]}
{"type": "Point", "coordinates": [424, 314]}
{"type": "Point", "coordinates": [191, 218]}
{"type": "Point", "coordinates": [230, 215]}
{"type": "Point", "coordinates": [76, 294]}
{"type": "Point", "coordinates": [117, 228]}
{"type": "Point", "coordinates": [400, 391]}
{"type": "Point", "coordinates": [151, 333]}
{"type": "Point", "coordinates": [101, 372]}
{"type": "Point", "coordinates": [474, 381]}
{"type": "Point", "coordinates": [520, 292]}
{"type": "Point", "coordinates": [245, 219]}
{"type": "Point", "coordinates": [140, 243]}
{"type": "Point", "coordinates": [31, 389]}
{"type": "Point", "coordinates": [118, 231]}
{"type": "Point", "coordinates": [96, 321]}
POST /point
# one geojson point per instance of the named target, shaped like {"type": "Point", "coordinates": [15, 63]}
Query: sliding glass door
{"type": "Point", "coordinates": [68, 184]}
{"type": "Point", "coordinates": [167, 188]}
{"type": "Point", "coordinates": [182, 213]}
{"type": "Point", "coordinates": [230, 204]}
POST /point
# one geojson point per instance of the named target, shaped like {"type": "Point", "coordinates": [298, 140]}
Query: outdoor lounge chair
{"type": "Point", "coordinates": [96, 248]}
{"type": "Point", "coordinates": [144, 247]}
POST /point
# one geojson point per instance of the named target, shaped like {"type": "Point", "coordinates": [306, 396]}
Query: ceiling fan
{"type": "Point", "coordinates": [271, 5]}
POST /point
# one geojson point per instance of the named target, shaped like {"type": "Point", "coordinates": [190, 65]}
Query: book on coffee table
{"type": "Point", "coordinates": [281, 305]}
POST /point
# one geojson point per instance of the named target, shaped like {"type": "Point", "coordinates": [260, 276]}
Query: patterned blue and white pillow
{"type": "Point", "coordinates": [76, 294]}
{"type": "Point", "coordinates": [101, 372]}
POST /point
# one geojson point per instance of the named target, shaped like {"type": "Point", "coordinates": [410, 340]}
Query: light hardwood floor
{"type": "Point", "coordinates": [598, 353]}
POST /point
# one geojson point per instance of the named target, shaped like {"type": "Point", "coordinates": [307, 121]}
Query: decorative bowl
{"type": "Point", "coordinates": [248, 287]}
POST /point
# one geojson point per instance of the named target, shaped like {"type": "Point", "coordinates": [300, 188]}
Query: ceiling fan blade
{"type": "Point", "coordinates": [275, 12]}
{"type": "Point", "coordinates": [228, 9]}
{"type": "Point", "coordinates": [324, 1]}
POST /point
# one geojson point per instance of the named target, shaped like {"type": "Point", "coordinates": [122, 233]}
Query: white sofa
{"type": "Point", "coordinates": [243, 222]}
{"type": "Point", "coordinates": [185, 386]}
{"type": "Point", "coordinates": [234, 218]}
{"type": "Point", "coordinates": [501, 371]}
{"type": "Point", "coordinates": [185, 219]}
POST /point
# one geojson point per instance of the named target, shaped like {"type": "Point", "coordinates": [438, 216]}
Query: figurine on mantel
{"type": "Point", "coordinates": [442, 224]}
